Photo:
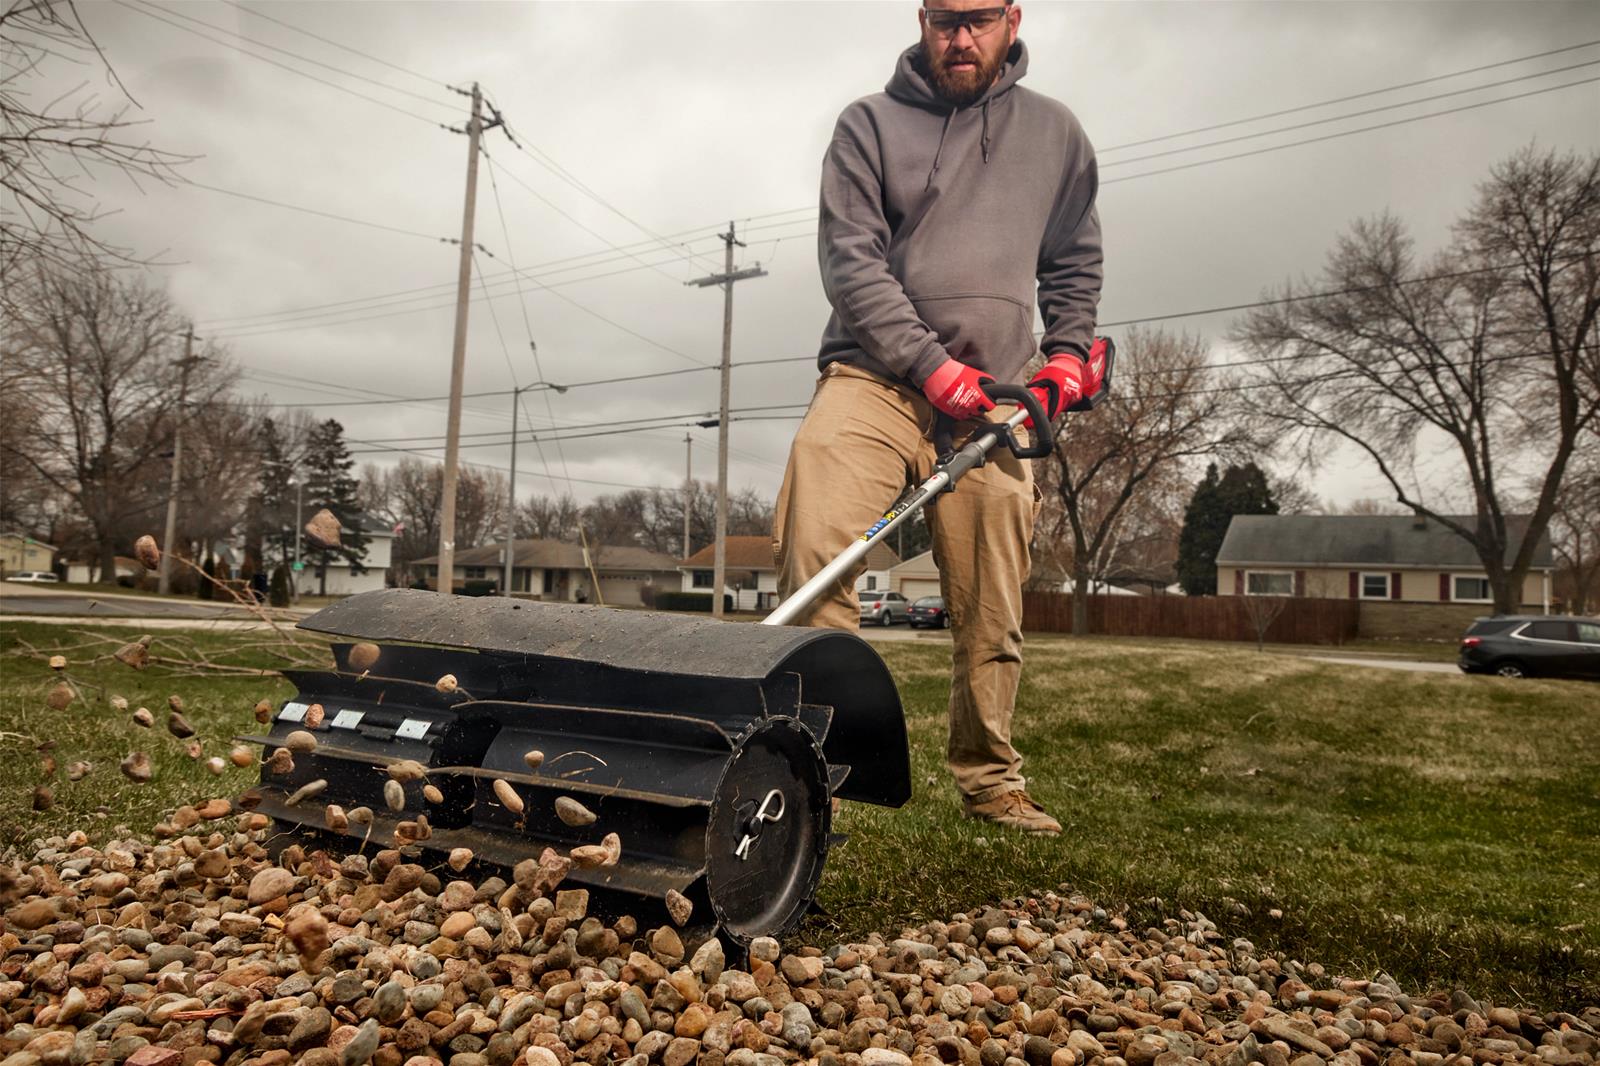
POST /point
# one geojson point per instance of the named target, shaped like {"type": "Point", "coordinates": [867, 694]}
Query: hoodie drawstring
{"type": "Point", "coordinates": [937, 152]}
{"type": "Point", "coordinates": [945, 130]}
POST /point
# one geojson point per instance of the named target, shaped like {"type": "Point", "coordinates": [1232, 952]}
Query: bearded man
{"type": "Point", "coordinates": [946, 200]}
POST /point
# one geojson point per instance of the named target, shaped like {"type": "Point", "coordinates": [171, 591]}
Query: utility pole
{"type": "Point", "coordinates": [688, 489]}
{"type": "Point", "coordinates": [171, 533]}
{"type": "Point", "coordinates": [511, 502]}
{"type": "Point", "coordinates": [726, 280]}
{"type": "Point", "coordinates": [458, 355]}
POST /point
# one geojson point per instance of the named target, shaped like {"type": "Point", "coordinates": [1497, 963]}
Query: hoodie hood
{"type": "Point", "coordinates": [909, 86]}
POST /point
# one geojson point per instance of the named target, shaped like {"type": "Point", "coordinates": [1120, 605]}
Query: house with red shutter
{"type": "Point", "coordinates": [1378, 559]}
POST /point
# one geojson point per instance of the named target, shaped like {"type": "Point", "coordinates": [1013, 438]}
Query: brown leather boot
{"type": "Point", "coordinates": [1016, 809]}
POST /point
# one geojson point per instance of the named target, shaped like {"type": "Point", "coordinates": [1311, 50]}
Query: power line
{"type": "Point", "coordinates": [639, 424]}
{"type": "Point", "coordinates": [610, 321]}
{"type": "Point", "coordinates": [1350, 133]}
{"type": "Point", "coordinates": [1347, 99]}
{"type": "Point", "coordinates": [587, 430]}
{"type": "Point", "coordinates": [624, 428]}
{"type": "Point", "coordinates": [557, 209]}
{"type": "Point", "coordinates": [353, 51]}
{"type": "Point", "coordinates": [503, 470]}
{"type": "Point", "coordinates": [1239, 155]}
{"type": "Point", "coordinates": [518, 400]}
{"type": "Point", "coordinates": [319, 213]}
{"type": "Point", "coordinates": [544, 160]}
{"type": "Point", "coordinates": [401, 297]}
{"type": "Point", "coordinates": [1193, 313]}
{"type": "Point", "coordinates": [282, 66]}
{"type": "Point", "coordinates": [547, 266]}
{"type": "Point", "coordinates": [413, 306]}
{"type": "Point", "coordinates": [1350, 115]}
{"type": "Point", "coordinates": [296, 55]}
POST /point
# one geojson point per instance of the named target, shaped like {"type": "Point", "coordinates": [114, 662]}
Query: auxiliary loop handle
{"type": "Point", "coordinates": [1025, 398]}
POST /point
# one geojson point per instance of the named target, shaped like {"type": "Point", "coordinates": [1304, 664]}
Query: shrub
{"type": "Point", "coordinates": [279, 594]}
{"type": "Point", "coordinates": [479, 587]}
{"type": "Point", "coordinates": [691, 601]}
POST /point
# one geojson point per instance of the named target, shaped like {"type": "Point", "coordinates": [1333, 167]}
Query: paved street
{"type": "Point", "coordinates": [20, 601]}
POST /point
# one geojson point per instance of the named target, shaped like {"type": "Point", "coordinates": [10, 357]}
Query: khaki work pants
{"type": "Point", "coordinates": [862, 441]}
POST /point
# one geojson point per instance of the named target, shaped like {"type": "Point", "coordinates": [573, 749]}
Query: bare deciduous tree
{"type": "Point", "coordinates": [1575, 529]}
{"type": "Point", "coordinates": [1262, 612]}
{"type": "Point", "coordinates": [1164, 411]}
{"type": "Point", "coordinates": [548, 518]}
{"type": "Point", "coordinates": [1292, 496]}
{"type": "Point", "coordinates": [1482, 358]}
{"type": "Point", "coordinates": [55, 146]}
{"type": "Point", "coordinates": [95, 358]}
{"type": "Point", "coordinates": [409, 494]}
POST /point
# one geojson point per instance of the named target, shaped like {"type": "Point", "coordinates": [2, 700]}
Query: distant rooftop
{"type": "Point", "coordinates": [1362, 540]}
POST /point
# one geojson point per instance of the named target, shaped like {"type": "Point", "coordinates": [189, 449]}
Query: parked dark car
{"type": "Point", "coordinates": [882, 607]}
{"type": "Point", "coordinates": [1519, 645]}
{"type": "Point", "coordinates": [928, 612]}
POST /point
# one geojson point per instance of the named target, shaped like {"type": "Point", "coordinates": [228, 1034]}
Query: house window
{"type": "Point", "coordinates": [549, 581]}
{"type": "Point", "coordinates": [872, 582]}
{"type": "Point", "coordinates": [1470, 588]}
{"type": "Point", "coordinates": [703, 578]}
{"type": "Point", "coordinates": [477, 573]}
{"type": "Point", "coordinates": [1374, 586]}
{"type": "Point", "coordinates": [1269, 583]}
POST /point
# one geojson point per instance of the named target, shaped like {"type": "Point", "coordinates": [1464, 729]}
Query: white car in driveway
{"type": "Point", "coordinates": [38, 577]}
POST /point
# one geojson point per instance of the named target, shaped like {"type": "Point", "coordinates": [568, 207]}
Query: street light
{"type": "Point", "coordinates": [511, 508]}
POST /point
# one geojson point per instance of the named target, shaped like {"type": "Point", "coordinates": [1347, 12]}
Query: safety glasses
{"type": "Point", "coordinates": [979, 21]}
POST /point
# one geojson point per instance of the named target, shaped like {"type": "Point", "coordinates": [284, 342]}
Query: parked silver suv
{"type": "Point", "coordinates": [884, 608]}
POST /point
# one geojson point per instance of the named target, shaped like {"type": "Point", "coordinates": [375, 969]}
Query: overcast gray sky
{"type": "Point", "coordinates": [641, 121]}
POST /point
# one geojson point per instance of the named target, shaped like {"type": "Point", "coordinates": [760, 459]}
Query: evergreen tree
{"type": "Point", "coordinates": [329, 484]}
{"type": "Point", "coordinates": [270, 531]}
{"type": "Point", "coordinates": [1240, 490]}
{"type": "Point", "coordinates": [1244, 490]}
{"type": "Point", "coordinates": [207, 590]}
{"type": "Point", "coordinates": [1197, 570]}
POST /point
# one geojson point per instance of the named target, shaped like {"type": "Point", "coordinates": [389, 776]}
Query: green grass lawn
{"type": "Point", "coordinates": [1441, 828]}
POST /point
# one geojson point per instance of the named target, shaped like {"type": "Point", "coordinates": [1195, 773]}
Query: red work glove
{"type": "Point", "coordinates": [1065, 380]}
{"type": "Point", "coordinates": [955, 388]}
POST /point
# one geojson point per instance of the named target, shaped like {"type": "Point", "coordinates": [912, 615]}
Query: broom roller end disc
{"type": "Point", "coordinates": [768, 835]}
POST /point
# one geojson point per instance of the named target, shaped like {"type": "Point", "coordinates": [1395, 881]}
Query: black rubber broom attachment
{"type": "Point", "coordinates": [712, 749]}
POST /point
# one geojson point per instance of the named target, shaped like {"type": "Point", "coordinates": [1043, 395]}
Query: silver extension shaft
{"type": "Point", "coordinates": [945, 474]}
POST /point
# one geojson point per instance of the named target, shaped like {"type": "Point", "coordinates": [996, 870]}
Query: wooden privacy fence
{"type": "Point", "coordinates": [1302, 621]}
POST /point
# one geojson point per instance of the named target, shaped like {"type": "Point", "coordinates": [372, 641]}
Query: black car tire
{"type": "Point", "coordinates": [1509, 668]}
{"type": "Point", "coordinates": [944, 622]}
{"type": "Point", "coordinates": [888, 618]}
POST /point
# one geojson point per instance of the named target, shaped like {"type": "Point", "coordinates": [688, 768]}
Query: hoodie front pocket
{"type": "Point", "coordinates": [990, 331]}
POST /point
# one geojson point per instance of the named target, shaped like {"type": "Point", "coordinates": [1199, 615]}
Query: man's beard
{"type": "Point", "coordinates": [962, 88]}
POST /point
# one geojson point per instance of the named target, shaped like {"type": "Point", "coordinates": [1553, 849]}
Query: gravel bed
{"type": "Point", "coordinates": [200, 947]}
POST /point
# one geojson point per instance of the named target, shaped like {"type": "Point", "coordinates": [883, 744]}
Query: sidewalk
{"type": "Point", "coordinates": [51, 601]}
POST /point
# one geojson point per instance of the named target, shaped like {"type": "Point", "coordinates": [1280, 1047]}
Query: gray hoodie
{"type": "Point", "coordinates": [937, 223]}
